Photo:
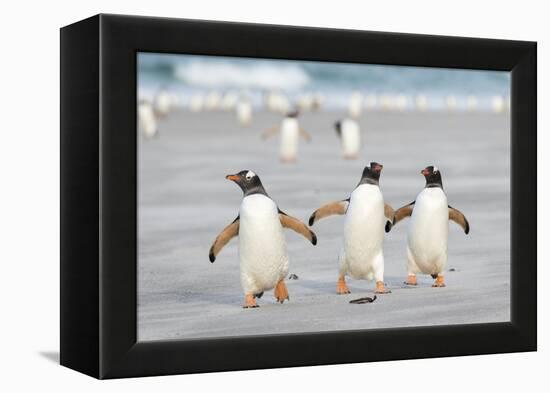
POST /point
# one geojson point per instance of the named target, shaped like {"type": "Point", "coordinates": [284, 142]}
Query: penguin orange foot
{"type": "Point", "coordinates": [380, 288]}
{"type": "Point", "coordinates": [250, 301]}
{"type": "Point", "coordinates": [281, 293]}
{"type": "Point", "coordinates": [439, 282]}
{"type": "Point", "coordinates": [341, 287]}
{"type": "Point", "coordinates": [411, 280]}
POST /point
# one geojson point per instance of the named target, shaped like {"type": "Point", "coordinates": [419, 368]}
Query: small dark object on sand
{"type": "Point", "coordinates": [293, 277]}
{"type": "Point", "coordinates": [452, 269]}
{"type": "Point", "coordinates": [363, 300]}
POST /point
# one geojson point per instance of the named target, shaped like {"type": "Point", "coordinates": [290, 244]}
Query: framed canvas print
{"type": "Point", "coordinates": [298, 196]}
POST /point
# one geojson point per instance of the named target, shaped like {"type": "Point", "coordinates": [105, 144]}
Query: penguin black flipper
{"type": "Point", "coordinates": [389, 214]}
{"type": "Point", "coordinates": [270, 132]}
{"type": "Point", "coordinates": [304, 134]}
{"type": "Point", "coordinates": [338, 128]}
{"type": "Point", "coordinates": [403, 212]}
{"type": "Point", "coordinates": [457, 216]}
{"type": "Point", "coordinates": [228, 233]}
{"type": "Point", "coordinates": [338, 207]}
{"type": "Point", "coordinates": [297, 226]}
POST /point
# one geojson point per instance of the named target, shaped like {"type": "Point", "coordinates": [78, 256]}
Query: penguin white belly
{"type": "Point", "coordinates": [364, 233]}
{"type": "Point", "coordinates": [163, 103]}
{"type": "Point", "coordinates": [289, 139]}
{"type": "Point", "coordinates": [146, 120]}
{"type": "Point", "coordinates": [428, 232]}
{"type": "Point", "coordinates": [351, 139]}
{"type": "Point", "coordinates": [262, 245]}
{"type": "Point", "coordinates": [244, 113]}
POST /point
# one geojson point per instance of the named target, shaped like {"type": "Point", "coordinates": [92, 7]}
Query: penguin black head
{"type": "Point", "coordinates": [249, 182]}
{"type": "Point", "coordinates": [371, 173]}
{"type": "Point", "coordinates": [338, 127]}
{"type": "Point", "coordinates": [433, 176]}
{"type": "Point", "coordinates": [293, 113]}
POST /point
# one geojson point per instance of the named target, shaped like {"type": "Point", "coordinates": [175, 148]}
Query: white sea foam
{"type": "Point", "coordinates": [262, 76]}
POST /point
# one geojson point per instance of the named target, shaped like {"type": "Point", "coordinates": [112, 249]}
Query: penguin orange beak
{"type": "Point", "coordinates": [232, 177]}
{"type": "Point", "coordinates": [425, 172]}
{"type": "Point", "coordinates": [378, 168]}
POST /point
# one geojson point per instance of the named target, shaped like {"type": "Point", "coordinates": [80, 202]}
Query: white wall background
{"type": "Point", "coordinates": [29, 192]}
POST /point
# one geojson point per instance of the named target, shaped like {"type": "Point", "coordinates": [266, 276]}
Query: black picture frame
{"type": "Point", "coordinates": [98, 196]}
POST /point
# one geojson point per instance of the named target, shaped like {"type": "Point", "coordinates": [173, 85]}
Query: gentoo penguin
{"type": "Point", "coordinates": [262, 245]}
{"type": "Point", "coordinates": [421, 102]}
{"type": "Point", "coordinates": [355, 105]}
{"type": "Point", "coordinates": [290, 132]}
{"type": "Point", "coordinates": [212, 101]}
{"type": "Point", "coordinates": [146, 119]}
{"type": "Point", "coordinates": [196, 103]}
{"type": "Point", "coordinates": [163, 103]}
{"type": "Point", "coordinates": [244, 112]}
{"type": "Point", "coordinates": [429, 229]}
{"type": "Point", "coordinates": [451, 103]}
{"type": "Point", "coordinates": [350, 136]}
{"type": "Point", "coordinates": [497, 103]}
{"type": "Point", "coordinates": [229, 101]}
{"type": "Point", "coordinates": [471, 103]}
{"type": "Point", "coordinates": [367, 215]}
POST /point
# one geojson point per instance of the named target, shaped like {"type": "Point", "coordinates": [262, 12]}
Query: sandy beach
{"type": "Point", "coordinates": [185, 201]}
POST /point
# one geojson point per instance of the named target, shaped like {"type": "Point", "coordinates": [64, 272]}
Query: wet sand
{"type": "Point", "coordinates": [184, 202]}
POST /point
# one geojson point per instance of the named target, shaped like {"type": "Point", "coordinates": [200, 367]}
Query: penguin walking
{"type": "Point", "coordinates": [361, 256]}
{"type": "Point", "coordinates": [244, 112]}
{"type": "Point", "coordinates": [355, 105]}
{"type": "Point", "coordinates": [262, 245]}
{"type": "Point", "coordinates": [290, 133]}
{"type": "Point", "coordinates": [163, 103]}
{"type": "Point", "coordinates": [146, 119]}
{"type": "Point", "coordinates": [350, 136]}
{"type": "Point", "coordinates": [429, 229]}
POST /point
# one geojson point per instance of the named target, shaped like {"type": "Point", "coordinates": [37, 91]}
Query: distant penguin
{"type": "Point", "coordinates": [212, 101]}
{"type": "Point", "coordinates": [305, 102]}
{"type": "Point", "coordinates": [277, 102]}
{"type": "Point", "coordinates": [371, 101]}
{"type": "Point", "coordinates": [147, 122]}
{"type": "Point", "coordinates": [421, 102]}
{"type": "Point", "coordinates": [401, 102]}
{"type": "Point", "coordinates": [361, 256]}
{"type": "Point", "coordinates": [498, 104]}
{"type": "Point", "coordinates": [229, 101]}
{"type": "Point", "coordinates": [451, 103]}
{"type": "Point", "coordinates": [471, 103]}
{"type": "Point", "coordinates": [163, 103]}
{"type": "Point", "coordinates": [244, 112]}
{"type": "Point", "coordinates": [386, 102]}
{"type": "Point", "coordinates": [429, 229]}
{"type": "Point", "coordinates": [196, 103]}
{"type": "Point", "coordinates": [262, 246]}
{"type": "Point", "coordinates": [317, 101]}
{"type": "Point", "coordinates": [355, 105]}
{"type": "Point", "coordinates": [290, 133]}
{"type": "Point", "coordinates": [350, 137]}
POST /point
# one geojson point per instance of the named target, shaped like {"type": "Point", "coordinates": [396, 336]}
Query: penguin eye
{"type": "Point", "coordinates": [249, 175]}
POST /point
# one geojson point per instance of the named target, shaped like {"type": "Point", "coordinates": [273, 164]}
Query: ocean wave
{"type": "Point", "coordinates": [229, 75]}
